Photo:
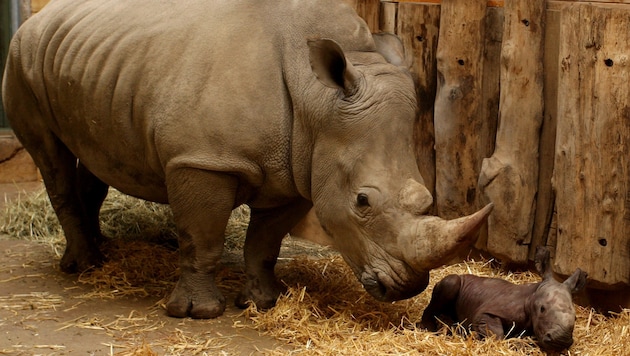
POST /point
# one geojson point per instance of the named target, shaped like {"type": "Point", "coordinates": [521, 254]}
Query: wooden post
{"type": "Point", "coordinates": [388, 16]}
{"type": "Point", "coordinates": [592, 162]}
{"type": "Point", "coordinates": [458, 112]}
{"type": "Point", "coordinates": [547, 146]}
{"type": "Point", "coordinates": [369, 11]}
{"type": "Point", "coordinates": [509, 178]}
{"type": "Point", "coordinates": [418, 28]}
{"type": "Point", "coordinates": [37, 5]}
{"type": "Point", "coordinates": [491, 90]}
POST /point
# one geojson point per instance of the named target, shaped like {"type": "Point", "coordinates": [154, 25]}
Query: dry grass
{"type": "Point", "coordinates": [324, 312]}
{"type": "Point", "coordinates": [332, 315]}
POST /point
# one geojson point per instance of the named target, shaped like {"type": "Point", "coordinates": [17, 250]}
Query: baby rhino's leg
{"type": "Point", "coordinates": [487, 325]}
{"type": "Point", "coordinates": [442, 303]}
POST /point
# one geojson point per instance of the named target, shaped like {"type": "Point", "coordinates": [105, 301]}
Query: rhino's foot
{"type": "Point", "coordinates": [429, 325]}
{"type": "Point", "coordinates": [264, 297]}
{"type": "Point", "coordinates": [73, 262]}
{"type": "Point", "coordinates": [196, 303]}
{"type": "Point", "coordinates": [434, 323]}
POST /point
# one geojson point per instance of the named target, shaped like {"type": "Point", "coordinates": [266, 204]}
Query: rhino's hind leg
{"type": "Point", "coordinates": [92, 192]}
{"type": "Point", "coordinates": [267, 228]}
{"type": "Point", "coordinates": [65, 184]}
{"type": "Point", "coordinates": [58, 167]}
{"type": "Point", "coordinates": [442, 302]}
{"type": "Point", "coordinates": [202, 203]}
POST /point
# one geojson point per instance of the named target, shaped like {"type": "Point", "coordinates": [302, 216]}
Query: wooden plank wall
{"type": "Point", "coordinates": [561, 115]}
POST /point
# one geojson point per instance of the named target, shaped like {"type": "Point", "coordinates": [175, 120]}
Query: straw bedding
{"type": "Point", "coordinates": [324, 312]}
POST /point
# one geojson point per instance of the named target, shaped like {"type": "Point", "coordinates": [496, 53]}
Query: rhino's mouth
{"type": "Point", "coordinates": [387, 288]}
{"type": "Point", "coordinates": [556, 342]}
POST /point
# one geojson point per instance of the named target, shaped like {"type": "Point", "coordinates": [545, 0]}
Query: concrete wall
{"type": "Point", "coordinates": [16, 164]}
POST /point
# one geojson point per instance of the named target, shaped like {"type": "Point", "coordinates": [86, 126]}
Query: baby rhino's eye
{"type": "Point", "coordinates": [542, 309]}
{"type": "Point", "coordinates": [362, 200]}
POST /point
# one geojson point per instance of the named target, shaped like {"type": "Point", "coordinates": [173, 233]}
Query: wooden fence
{"type": "Point", "coordinates": [526, 103]}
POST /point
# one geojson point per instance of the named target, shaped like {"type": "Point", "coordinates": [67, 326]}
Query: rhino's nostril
{"type": "Point", "coordinates": [559, 342]}
{"type": "Point", "coordinates": [368, 281]}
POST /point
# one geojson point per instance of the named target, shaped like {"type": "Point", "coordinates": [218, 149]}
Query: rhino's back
{"type": "Point", "coordinates": [132, 87]}
{"type": "Point", "coordinates": [493, 296]}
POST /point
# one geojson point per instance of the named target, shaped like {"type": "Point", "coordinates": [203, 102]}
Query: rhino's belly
{"type": "Point", "coordinates": [127, 172]}
{"type": "Point", "coordinates": [132, 182]}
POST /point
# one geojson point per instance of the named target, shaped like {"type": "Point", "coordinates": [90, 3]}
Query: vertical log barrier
{"type": "Point", "coordinates": [509, 178]}
{"type": "Point", "coordinates": [388, 16]}
{"type": "Point", "coordinates": [369, 10]}
{"type": "Point", "coordinates": [458, 115]}
{"type": "Point", "coordinates": [418, 28]}
{"type": "Point", "coordinates": [491, 90]}
{"type": "Point", "coordinates": [592, 161]}
{"type": "Point", "coordinates": [547, 145]}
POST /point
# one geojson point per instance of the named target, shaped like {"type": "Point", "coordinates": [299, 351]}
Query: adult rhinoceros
{"type": "Point", "coordinates": [207, 105]}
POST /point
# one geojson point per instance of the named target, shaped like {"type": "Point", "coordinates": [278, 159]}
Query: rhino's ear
{"type": "Point", "coordinates": [542, 262]}
{"type": "Point", "coordinates": [391, 47]}
{"type": "Point", "coordinates": [577, 281]}
{"type": "Point", "coordinates": [330, 66]}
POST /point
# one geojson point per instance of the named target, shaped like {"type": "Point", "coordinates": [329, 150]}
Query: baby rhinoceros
{"type": "Point", "coordinates": [493, 306]}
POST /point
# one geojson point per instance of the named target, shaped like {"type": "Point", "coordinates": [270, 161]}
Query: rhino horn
{"type": "Point", "coordinates": [434, 241]}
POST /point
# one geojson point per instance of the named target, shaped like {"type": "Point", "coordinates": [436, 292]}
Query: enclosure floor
{"type": "Point", "coordinates": [43, 311]}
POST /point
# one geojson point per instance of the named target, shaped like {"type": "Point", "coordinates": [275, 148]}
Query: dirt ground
{"type": "Point", "coordinates": [43, 312]}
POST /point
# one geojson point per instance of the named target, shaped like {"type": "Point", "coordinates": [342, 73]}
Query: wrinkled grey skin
{"type": "Point", "coordinates": [493, 306]}
{"type": "Point", "coordinates": [207, 105]}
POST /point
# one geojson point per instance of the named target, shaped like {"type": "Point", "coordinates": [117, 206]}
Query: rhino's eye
{"type": "Point", "coordinates": [542, 309]}
{"type": "Point", "coordinates": [362, 200]}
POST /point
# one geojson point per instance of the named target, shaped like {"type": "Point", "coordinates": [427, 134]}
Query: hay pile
{"type": "Point", "coordinates": [332, 315]}
{"type": "Point", "coordinates": [324, 312]}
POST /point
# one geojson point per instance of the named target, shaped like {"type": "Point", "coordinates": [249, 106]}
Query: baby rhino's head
{"type": "Point", "coordinates": [551, 306]}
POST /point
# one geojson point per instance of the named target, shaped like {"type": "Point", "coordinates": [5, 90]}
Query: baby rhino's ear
{"type": "Point", "coordinates": [577, 281]}
{"type": "Point", "coordinates": [543, 263]}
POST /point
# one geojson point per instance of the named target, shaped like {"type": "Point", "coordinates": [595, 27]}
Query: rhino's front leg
{"type": "Point", "coordinates": [267, 228]}
{"type": "Point", "coordinates": [487, 325]}
{"type": "Point", "coordinates": [201, 202]}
